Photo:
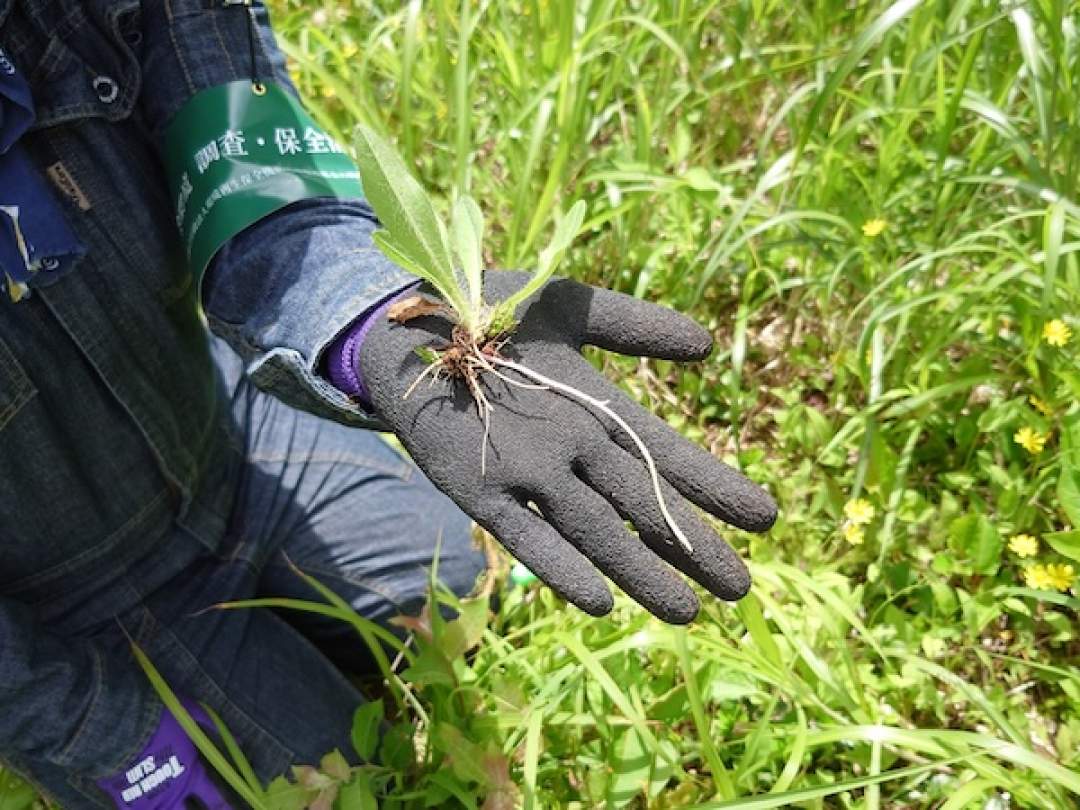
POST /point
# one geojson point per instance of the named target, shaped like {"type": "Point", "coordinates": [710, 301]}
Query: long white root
{"type": "Point", "coordinates": [477, 360]}
{"type": "Point", "coordinates": [605, 409]}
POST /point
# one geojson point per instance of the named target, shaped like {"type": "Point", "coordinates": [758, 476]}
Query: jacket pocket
{"type": "Point", "coordinates": [15, 387]}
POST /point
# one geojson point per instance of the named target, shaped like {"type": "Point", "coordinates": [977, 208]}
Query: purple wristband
{"type": "Point", "coordinates": [343, 356]}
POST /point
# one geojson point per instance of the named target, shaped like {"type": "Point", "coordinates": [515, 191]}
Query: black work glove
{"type": "Point", "coordinates": [582, 473]}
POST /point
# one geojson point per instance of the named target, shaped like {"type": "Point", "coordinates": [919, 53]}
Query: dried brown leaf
{"type": "Point", "coordinates": [415, 306]}
{"type": "Point", "coordinates": [335, 766]}
{"type": "Point", "coordinates": [421, 625]}
{"type": "Point", "coordinates": [502, 792]}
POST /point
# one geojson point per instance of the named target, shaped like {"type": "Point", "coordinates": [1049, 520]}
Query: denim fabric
{"type": "Point", "coordinates": [338, 502]}
{"type": "Point", "coordinates": [124, 455]}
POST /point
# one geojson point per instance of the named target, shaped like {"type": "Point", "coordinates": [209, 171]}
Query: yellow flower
{"type": "Point", "coordinates": [1060, 576]}
{"type": "Point", "coordinates": [1041, 406]}
{"type": "Point", "coordinates": [859, 511]}
{"type": "Point", "coordinates": [1035, 576]}
{"type": "Point", "coordinates": [349, 50]}
{"type": "Point", "coordinates": [854, 534]}
{"type": "Point", "coordinates": [1024, 545]}
{"type": "Point", "coordinates": [1056, 577]}
{"type": "Point", "coordinates": [1056, 332]}
{"type": "Point", "coordinates": [327, 91]}
{"type": "Point", "coordinates": [1030, 440]}
{"type": "Point", "coordinates": [873, 227]}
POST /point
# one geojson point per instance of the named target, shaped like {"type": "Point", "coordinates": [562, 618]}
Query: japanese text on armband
{"type": "Point", "coordinates": [234, 156]}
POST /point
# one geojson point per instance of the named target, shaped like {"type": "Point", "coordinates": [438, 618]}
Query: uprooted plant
{"type": "Point", "coordinates": [414, 237]}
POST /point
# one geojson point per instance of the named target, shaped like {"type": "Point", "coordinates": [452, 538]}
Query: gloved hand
{"type": "Point", "coordinates": [169, 774]}
{"type": "Point", "coordinates": [581, 472]}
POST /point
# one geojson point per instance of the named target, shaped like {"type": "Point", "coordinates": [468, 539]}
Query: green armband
{"type": "Point", "coordinates": [238, 152]}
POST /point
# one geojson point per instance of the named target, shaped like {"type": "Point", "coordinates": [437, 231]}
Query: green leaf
{"type": "Point", "coordinates": [749, 610]}
{"type": "Point", "coordinates": [365, 728]}
{"type": "Point", "coordinates": [630, 765]}
{"type": "Point", "coordinates": [467, 233]}
{"type": "Point", "coordinates": [15, 794]}
{"type": "Point", "coordinates": [397, 750]}
{"type": "Point", "coordinates": [466, 631]}
{"type": "Point", "coordinates": [430, 667]}
{"type": "Point", "coordinates": [1067, 544]}
{"type": "Point", "coordinates": [404, 210]}
{"type": "Point", "coordinates": [357, 794]}
{"type": "Point", "coordinates": [1068, 493]}
{"type": "Point", "coordinates": [427, 354]}
{"type": "Point", "coordinates": [466, 757]}
{"type": "Point", "coordinates": [565, 233]}
{"type": "Point", "coordinates": [443, 784]}
{"type": "Point", "coordinates": [384, 240]}
{"type": "Point", "coordinates": [284, 795]}
{"type": "Point", "coordinates": [976, 537]}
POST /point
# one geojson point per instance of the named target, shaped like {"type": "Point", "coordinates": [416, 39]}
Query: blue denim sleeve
{"type": "Point", "coordinates": [282, 290]}
{"type": "Point", "coordinates": [285, 288]}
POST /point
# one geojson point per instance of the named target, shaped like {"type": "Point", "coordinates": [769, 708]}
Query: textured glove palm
{"type": "Point", "coordinates": [560, 478]}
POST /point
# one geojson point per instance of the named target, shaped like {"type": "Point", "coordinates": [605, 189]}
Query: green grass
{"type": "Point", "coordinates": [730, 155]}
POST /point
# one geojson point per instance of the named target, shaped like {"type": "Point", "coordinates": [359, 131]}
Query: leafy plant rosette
{"type": "Point", "coordinates": [450, 260]}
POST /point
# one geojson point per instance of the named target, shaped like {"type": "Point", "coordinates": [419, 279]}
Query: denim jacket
{"type": "Point", "coordinates": [114, 430]}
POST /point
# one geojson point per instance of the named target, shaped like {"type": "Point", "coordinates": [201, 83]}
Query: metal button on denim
{"type": "Point", "coordinates": [106, 88]}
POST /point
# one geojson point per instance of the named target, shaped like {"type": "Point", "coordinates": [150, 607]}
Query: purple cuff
{"type": "Point", "coordinates": [343, 356]}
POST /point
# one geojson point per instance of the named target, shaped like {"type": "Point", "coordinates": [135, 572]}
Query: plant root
{"type": "Point", "coordinates": [464, 358]}
{"type": "Point", "coordinates": [604, 408]}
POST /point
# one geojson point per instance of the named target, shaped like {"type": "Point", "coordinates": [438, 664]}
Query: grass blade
{"type": "Point", "coordinates": [793, 797]}
{"type": "Point", "coordinates": [331, 611]}
{"type": "Point", "coordinates": [532, 756]}
{"type": "Point", "coordinates": [794, 761]}
{"type": "Point", "coordinates": [966, 795]}
{"type": "Point", "coordinates": [1053, 235]}
{"type": "Point", "coordinates": [233, 749]}
{"type": "Point", "coordinates": [863, 42]}
{"type": "Point", "coordinates": [697, 710]}
{"type": "Point", "coordinates": [252, 794]}
{"type": "Point", "coordinates": [616, 695]}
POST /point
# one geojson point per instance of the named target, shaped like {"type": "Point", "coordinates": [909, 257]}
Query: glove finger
{"type": "Point", "coordinates": [627, 325]}
{"type": "Point", "coordinates": [593, 526]}
{"type": "Point", "coordinates": [624, 480]}
{"type": "Point", "coordinates": [532, 541]}
{"type": "Point", "coordinates": [702, 479]}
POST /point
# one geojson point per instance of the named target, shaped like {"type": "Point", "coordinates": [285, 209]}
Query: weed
{"type": "Point", "coordinates": [451, 261]}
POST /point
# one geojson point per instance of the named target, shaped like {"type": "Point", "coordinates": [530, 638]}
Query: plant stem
{"type": "Point", "coordinates": [605, 409]}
